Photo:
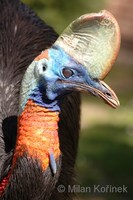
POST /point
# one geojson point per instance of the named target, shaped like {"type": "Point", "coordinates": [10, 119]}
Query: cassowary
{"type": "Point", "coordinates": [39, 104]}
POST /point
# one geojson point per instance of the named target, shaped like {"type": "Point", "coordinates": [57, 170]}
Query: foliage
{"type": "Point", "coordinates": [60, 13]}
{"type": "Point", "coordinates": [105, 158]}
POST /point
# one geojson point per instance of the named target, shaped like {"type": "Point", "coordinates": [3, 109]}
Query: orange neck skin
{"type": "Point", "coordinates": [37, 134]}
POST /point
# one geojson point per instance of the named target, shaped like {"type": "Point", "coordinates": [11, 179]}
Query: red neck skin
{"type": "Point", "coordinates": [37, 137]}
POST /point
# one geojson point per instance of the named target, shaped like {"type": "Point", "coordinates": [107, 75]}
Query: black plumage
{"type": "Point", "coordinates": [22, 37]}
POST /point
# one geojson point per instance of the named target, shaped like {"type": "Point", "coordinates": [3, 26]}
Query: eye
{"type": "Point", "coordinates": [44, 67]}
{"type": "Point", "coordinates": [67, 72]}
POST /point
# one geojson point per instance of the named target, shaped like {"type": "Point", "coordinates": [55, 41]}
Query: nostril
{"type": "Point", "coordinates": [108, 94]}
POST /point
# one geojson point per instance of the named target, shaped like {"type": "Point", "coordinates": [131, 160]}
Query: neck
{"type": "Point", "coordinates": [38, 134]}
{"type": "Point", "coordinates": [39, 97]}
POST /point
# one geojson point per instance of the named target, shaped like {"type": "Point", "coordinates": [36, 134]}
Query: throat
{"type": "Point", "coordinates": [38, 135]}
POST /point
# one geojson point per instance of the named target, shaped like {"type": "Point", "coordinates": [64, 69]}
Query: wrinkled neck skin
{"type": "Point", "coordinates": [38, 134]}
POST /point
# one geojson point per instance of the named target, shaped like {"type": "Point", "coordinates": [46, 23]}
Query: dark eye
{"type": "Point", "coordinates": [67, 72]}
{"type": "Point", "coordinates": [44, 67]}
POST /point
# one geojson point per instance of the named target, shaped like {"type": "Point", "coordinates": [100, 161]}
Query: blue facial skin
{"type": "Point", "coordinates": [49, 90]}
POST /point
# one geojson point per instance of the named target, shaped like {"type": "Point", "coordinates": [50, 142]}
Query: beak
{"type": "Point", "coordinates": [107, 94]}
{"type": "Point", "coordinates": [101, 89]}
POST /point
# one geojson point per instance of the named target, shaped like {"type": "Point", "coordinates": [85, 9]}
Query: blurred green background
{"type": "Point", "coordinates": [106, 142]}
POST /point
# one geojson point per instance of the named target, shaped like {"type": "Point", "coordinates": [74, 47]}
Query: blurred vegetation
{"type": "Point", "coordinates": [105, 158]}
{"type": "Point", "coordinates": [106, 149]}
{"type": "Point", "coordinates": [59, 13]}
{"type": "Point", "coordinates": [106, 142]}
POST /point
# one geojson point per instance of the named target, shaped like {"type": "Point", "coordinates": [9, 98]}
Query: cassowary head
{"type": "Point", "coordinates": [80, 58]}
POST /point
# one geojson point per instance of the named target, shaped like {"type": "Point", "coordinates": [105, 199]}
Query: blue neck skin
{"type": "Point", "coordinates": [39, 97]}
